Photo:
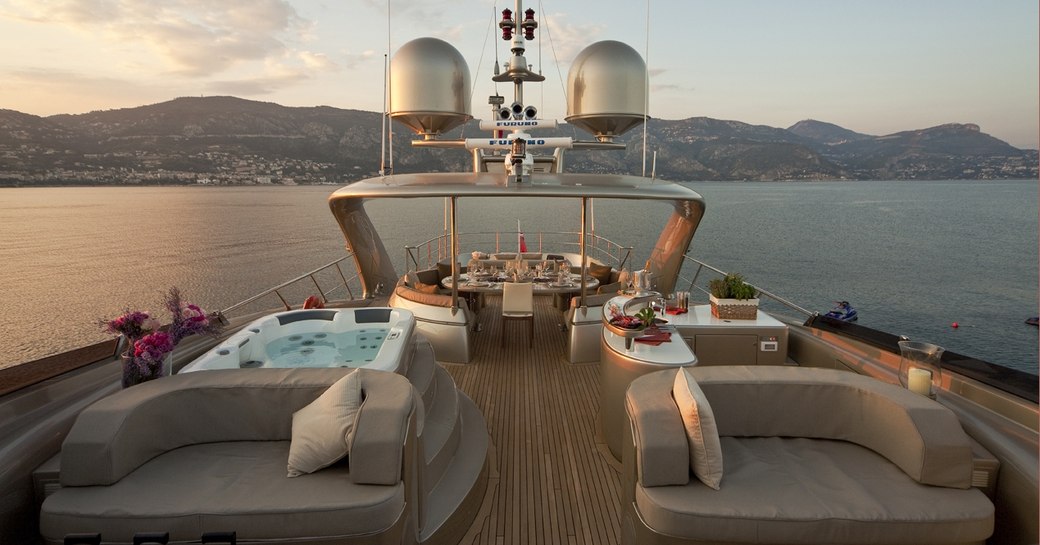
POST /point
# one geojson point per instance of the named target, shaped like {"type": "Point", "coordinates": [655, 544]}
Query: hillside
{"type": "Point", "coordinates": [227, 140]}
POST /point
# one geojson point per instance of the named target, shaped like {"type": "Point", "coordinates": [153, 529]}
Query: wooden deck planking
{"type": "Point", "coordinates": [550, 481]}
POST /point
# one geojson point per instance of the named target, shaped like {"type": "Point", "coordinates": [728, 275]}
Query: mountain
{"type": "Point", "coordinates": [228, 140]}
{"type": "Point", "coordinates": [825, 133]}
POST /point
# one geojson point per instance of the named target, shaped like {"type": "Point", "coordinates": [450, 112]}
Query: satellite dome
{"type": "Point", "coordinates": [606, 89]}
{"type": "Point", "coordinates": [430, 87]}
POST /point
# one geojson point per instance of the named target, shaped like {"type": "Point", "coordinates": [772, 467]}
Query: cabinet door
{"type": "Point", "coordinates": [726, 349]}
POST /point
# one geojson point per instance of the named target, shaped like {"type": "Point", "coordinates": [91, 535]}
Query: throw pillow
{"type": "Point", "coordinates": [701, 431]}
{"type": "Point", "coordinates": [600, 272]}
{"type": "Point", "coordinates": [443, 270]}
{"type": "Point", "coordinates": [623, 278]}
{"type": "Point", "coordinates": [411, 279]}
{"type": "Point", "coordinates": [323, 431]}
{"type": "Point", "coordinates": [426, 288]}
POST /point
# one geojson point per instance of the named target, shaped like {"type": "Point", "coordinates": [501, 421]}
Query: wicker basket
{"type": "Point", "coordinates": [734, 309]}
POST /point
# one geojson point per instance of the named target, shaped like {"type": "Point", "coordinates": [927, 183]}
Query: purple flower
{"type": "Point", "coordinates": [133, 325]}
{"type": "Point", "coordinates": [149, 346]}
{"type": "Point", "coordinates": [188, 318]}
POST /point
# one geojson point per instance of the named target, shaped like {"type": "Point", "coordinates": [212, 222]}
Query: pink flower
{"type": "Point", "coordinates": [153, 348]}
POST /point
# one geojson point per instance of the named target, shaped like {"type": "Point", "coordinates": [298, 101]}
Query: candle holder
{"type": "Point", "coordinates": [919, 367]}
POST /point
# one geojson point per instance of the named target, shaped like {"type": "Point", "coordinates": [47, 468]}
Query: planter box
{"type": "Point", "coordinates": [734, 309]}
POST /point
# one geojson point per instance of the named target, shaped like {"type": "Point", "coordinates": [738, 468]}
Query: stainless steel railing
{"type": "Point", "coordinates": [340, 283]}
{"type": "Point", "coordinates": [700, 267]}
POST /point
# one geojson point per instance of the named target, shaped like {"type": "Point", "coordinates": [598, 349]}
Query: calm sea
{"type": "Point", "coordinates": [912, 257]}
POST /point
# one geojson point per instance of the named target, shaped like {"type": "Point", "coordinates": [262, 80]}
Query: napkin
{"type": "Point", "coordinates": [656, 338]}
{"type": "Point", "coordinates": [676, 310]}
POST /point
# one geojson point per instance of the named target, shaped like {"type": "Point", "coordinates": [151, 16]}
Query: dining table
{"type": "Point", "coordinates": [543, 285]}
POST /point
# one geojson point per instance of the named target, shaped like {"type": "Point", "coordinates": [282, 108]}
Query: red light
{"type": "Point", "coordinates": [507, 25]}
{"type": "Point", "coordinates": [529, 24]}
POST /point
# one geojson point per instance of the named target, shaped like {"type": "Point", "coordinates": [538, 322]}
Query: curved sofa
{"type": "Point", "coordinates": [207, 452]}
{"type": "Point", "coordinates": [447, 329]}
{"type": "Point", "coordinates": [807, 456]}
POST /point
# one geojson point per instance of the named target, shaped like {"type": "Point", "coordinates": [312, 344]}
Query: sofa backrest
{"type": "Point", "coordinates": [117, 434]}
{"type": "Point", "coordinates": [922, 437]}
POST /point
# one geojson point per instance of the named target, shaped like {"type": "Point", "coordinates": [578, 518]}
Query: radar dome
{"type": "Point", "coordinates": [606, 89]}
{"type": "Point", "coordinates": [430, 87]}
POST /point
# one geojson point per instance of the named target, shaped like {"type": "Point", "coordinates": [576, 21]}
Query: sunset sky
{"type": "Point", "coordinates": [876, 67]}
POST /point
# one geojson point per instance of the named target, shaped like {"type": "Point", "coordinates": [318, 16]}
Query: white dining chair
{"type": "Point", "coordinates": [518, 304]}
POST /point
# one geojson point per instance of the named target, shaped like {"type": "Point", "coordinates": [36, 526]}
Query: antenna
{"type": "Point", "coordinates": [389, 84]}
{"type": "Point", "coordinates": [646, 101]}
{"type": "Point", "coordinates": [383, 121]}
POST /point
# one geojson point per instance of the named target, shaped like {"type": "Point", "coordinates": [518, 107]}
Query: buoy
{"type": "Point", "coordinates": [955, 325]}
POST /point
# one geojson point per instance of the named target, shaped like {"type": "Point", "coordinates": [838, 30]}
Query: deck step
{"type": "Point", "coordinates": [441, 430]}
{"type": "Point", "coordinates": [455, 499]}
{"type": "Point", "coordinates": [422, 369]}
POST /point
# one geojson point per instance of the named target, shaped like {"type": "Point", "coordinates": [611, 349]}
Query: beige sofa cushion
{"type": "Point", "coordinates": [705, 448]}
{"type": "Point", "coordinates": [117, 434]}
{"type": "Point", "coordinates": [663, 456]}
{"type": "Point", "coordinates": [791, 490]}
{"type": "Point", "coordinates": [322, 431]}
{"type": "Point", "coordinates": [922, 437]}
{"type": "Point", "coordinates": [223, 486]}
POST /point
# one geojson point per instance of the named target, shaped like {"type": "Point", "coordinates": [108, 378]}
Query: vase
{"type": "Point", "coordinates": [920, 370]}
{"type": "Point", "coordinates": [136, 372]}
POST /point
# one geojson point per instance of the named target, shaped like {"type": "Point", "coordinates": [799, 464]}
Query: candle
{"type": "Point", "coordinates": [919, 381]}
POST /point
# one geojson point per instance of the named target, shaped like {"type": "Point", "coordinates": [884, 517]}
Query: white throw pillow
{"type": "Point", "coordinates": [323, 431]}
{"type": "Point", "coordinates": [411, 279]}
{"type": "Point", "coordinates": [701, 431]}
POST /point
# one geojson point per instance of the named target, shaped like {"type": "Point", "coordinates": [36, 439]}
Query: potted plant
{"type": "Point", "coordinates": [733, 299]}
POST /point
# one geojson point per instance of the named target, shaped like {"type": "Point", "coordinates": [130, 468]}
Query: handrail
{"type": "Point", "coordinates": [702, 265]}
{"type": "Point", "coordinates": [277, 290]}
{"type": "Point", "coordinates": [613, 251]}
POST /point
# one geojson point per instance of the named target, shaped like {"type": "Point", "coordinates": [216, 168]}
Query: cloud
{"type": "Point", "coordinates": [317, 61]}
{"type": "Point", "coordinates": [46, 91]}
{"type": "Point", "coordinates": [196, 38]}
{"type": "Point", "coordinates": [563, 39]}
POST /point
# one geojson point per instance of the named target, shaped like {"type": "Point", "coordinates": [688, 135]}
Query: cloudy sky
{"type": "Point", "coordinates": [877, 66]}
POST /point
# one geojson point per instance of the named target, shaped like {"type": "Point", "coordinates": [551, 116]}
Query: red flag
{"type": "Point", "coordinates": [523, 243]}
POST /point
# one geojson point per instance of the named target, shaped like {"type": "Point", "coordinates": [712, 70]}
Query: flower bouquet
{"type": "Point", "coordinates": [147, 346]}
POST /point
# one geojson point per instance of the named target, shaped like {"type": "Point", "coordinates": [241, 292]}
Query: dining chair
{"type": "Point", "coordinates": [518, 304]}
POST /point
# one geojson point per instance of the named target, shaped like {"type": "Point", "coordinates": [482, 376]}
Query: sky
{"type": "Point", "coordinates": [876, 67]}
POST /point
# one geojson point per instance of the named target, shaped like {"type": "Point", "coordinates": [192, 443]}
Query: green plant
{"type": "Point", "coordinates": [646, 315]}
{"type": "Point", "coordinates": [732, 286]}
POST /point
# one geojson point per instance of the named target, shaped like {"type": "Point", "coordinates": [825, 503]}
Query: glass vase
{"type": "Point", "coordinates": [920, 370]}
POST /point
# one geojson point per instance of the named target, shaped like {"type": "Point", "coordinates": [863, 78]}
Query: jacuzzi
{"type": "Point", "coordinates": [374, 338]}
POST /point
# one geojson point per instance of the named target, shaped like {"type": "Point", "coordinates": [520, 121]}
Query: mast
{"type": "Point", "coordinates": [383, 122]}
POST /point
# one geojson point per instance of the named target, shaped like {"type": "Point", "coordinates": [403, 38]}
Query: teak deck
{"type": "Point", "coordinates": [550, 482]}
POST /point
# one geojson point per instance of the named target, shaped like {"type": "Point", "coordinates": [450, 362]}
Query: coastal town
{"type": "Point", "coordinates": [220, 141]}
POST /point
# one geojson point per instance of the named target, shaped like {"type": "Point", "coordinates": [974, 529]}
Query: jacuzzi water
{"type": "Point", "coordinates": [347, 349]}
{"type": "Point", "coordinates": [377, 338]}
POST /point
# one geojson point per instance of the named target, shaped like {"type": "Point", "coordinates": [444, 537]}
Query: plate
{"type": "Point", "coordinates": [478, 284]}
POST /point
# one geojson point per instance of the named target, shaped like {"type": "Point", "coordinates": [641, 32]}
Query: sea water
{"type": "Point", "coordinates": [912, 257]}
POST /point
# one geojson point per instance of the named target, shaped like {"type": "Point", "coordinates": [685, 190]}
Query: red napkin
{"type": "Point", "coordinates": [656, 338]}
{"type": "Point", "coordinates": [676, 310]}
